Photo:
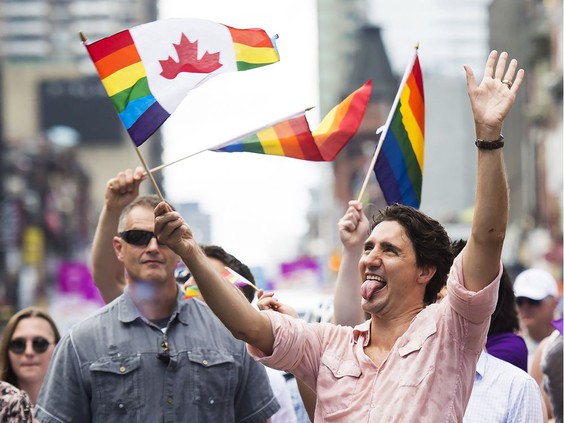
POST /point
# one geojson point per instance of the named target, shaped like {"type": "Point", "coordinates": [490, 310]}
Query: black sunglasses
{"type": "Point", "coordinates": [39, 345]}
{"type": "Point", "coordinates": [137, 237]}
{"type": "Point", "coordinates": [522, 300]}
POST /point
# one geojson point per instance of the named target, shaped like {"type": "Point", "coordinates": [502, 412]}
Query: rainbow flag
{"type": "Point", "coordinates": [191, 292]}
{"type": "Point", "coordinates": [292, 137]}
{"type": "Point", "coordinates": [399, 166]}
{"type": "Point", "coordinates": [147, 70]}
{"type": "Point", "coordinates": [235, 278]}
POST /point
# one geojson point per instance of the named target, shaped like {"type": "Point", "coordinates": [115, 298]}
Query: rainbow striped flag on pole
{"type": "Point", "coordinates": [399, 166]}
{"type": "Point", "coordinates": [147, 70]}
{"type": "Point", "coordinates": [292, 137]}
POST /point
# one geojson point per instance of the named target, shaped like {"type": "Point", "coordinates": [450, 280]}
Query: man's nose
{"type": "Point", "coordinates": [374, 258]}
{"type": "Point", "coordinates": [153, 243]}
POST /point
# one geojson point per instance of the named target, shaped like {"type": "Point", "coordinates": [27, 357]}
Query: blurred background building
{"type": "Point", "coordinates": [60, 139]}
{"type": "Point", "coordinates": [451, 34]}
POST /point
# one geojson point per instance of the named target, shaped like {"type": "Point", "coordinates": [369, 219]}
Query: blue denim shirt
{"type": "Point", "coordinates": [106, 370]}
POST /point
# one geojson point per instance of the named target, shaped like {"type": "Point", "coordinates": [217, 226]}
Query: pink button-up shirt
{"type": "Point", "coordinates": [426, 377]}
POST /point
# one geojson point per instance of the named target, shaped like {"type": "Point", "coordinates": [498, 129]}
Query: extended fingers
{"type": "Point", "coordinates": [518, 80]}
{"type": "Point", "coordinates": [470, 79]}
{"type": "Point", "coordinates": [490, 64]}
{"type": "Point", "coordinates": [510, 73]}
{"type": "Point", "coordinates": [500, 68]}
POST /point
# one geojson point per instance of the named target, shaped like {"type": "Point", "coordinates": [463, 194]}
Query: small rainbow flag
{"type": "Point", "coordinates": [235, 278]}
{"type": "Point", "coordinates": [399, 166]}
{"type": "Point", "coordinates": [292, 137]}
{"type": "Point", "coordinates": [191, 292]}
{"type": "Point", "coordinates": [147, 70]}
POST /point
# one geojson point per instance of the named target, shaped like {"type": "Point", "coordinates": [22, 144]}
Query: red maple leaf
{"type": "Point", "coordinates": [188, 60]}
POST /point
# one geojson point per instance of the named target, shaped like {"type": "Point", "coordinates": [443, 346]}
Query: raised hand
{"type": "Point", "coordinates": [124, 188]}
{"type": "Point", "coordinates": [492, 100]}
{"type": "Point", "coordinates": [353, 226]}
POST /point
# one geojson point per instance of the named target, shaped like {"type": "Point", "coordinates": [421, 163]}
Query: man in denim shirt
{"type": "Point", "coordinates": [150, 355]}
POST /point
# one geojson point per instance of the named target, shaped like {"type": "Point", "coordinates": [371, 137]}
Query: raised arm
{"type": "Point", "coordinates": [225, 299]}
{"type": "Point", "coordinates": [490, 101]}
{"type": "Point", "coordinates": [353, 231]}
{"type": "Point", "coordinates": [107, 270]}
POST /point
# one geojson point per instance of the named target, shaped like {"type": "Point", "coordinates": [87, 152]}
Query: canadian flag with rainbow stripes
{"type": "Point", "coordinates": [147, 70]}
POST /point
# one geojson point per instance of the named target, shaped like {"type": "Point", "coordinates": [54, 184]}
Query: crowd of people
{"type": "Point", "coordinates": [424, 329]}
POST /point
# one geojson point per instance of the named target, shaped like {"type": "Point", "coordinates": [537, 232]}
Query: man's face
{"type": "Point", "coordinates": [536, 315]}
{"type": "Point", "coordinates": [393, 283]}
{"type": "Point", "coordinates": [152, 262]}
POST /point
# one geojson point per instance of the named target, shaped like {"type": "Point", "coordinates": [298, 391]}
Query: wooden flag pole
{"type": "Point", "coordinates": [384, 129]}
{"type": "Point", "coordinates": [148, 171]}
{"type": "Point", "coordinates": [372, 163]}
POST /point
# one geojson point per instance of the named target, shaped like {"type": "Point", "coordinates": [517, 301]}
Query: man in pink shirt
{"type": "Point", "coordinates": [413, 360]}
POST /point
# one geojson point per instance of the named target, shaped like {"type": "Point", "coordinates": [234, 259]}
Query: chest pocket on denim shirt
{"type": "Point", "coordinates": [337, 372]}
{"type": "Point", "coordinates": [215, 376]}
{"type": "Point", "coordinates": [116, 384]}
{"type": "Point", "coordinates": [416, 366]}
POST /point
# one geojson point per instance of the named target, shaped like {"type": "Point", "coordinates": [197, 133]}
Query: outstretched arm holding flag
{"type": "Point", "coordinates": [404, 262]}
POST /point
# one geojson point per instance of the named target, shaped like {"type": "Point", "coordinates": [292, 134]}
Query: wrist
{"type": "Point", "coordinates": [485, 132]}
{"type": "Point", "coordinates": [489, 144]}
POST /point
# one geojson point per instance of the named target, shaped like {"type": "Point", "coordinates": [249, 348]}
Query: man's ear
{"type": "Point", "coordinates": [426, 273]}
{"type": "Point", "coordinates": [118, 248]}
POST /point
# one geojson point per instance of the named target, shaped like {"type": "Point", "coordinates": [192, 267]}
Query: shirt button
{"type": "Point", "coordinates": [122, 369]}
{"type": "Point", "coordinates": [169, 400]}
{"type": "Point", "coordinates": [205, 362]}
{"type": "Point", "coordinates": [211, 401]}
{"type": "Point", "coordinates": [120, 405]}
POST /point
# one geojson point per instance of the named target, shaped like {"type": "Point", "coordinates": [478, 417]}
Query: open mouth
{"type": "Point", "coordinates": [372, 285]}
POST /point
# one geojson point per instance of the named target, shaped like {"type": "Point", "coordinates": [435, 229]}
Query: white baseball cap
{"type": "Point", "coordinates": [536, 284]}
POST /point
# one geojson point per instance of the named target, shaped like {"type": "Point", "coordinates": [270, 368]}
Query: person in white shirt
{"type": "Point", "coordinates": [503, 393]}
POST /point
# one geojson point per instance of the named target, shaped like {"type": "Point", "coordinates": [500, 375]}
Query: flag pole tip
{"type": "Point", "coordinates": [82, 36]}
{"type": "Point", "coordinates": [417, 46]}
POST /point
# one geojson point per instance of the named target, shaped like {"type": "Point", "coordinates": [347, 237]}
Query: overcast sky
{"type": "Point", "coordinates": [258, 203]}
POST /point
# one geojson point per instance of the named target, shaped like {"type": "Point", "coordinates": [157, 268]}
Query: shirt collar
{"type": "Point", "coordinates": [128, 311]}
{"type": "Point", "coordinates": [362, 330]}
{"type": "Point", "coordinates": [481, 365]}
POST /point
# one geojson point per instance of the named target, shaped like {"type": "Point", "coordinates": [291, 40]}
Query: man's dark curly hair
{"type": "Point", "coordinates": [430, 241]}
{"type": "Point", "coordinates": [229, 260]}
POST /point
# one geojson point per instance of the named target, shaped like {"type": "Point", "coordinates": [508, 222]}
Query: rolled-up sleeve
{"type": "Point", "coordinates": [472, 306]}
{"type": "Point", "coordinates": [298, 345]}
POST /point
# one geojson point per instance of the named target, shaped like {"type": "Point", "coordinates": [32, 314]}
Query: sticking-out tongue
{"type": "Point", "coordinates": [369, 287]}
